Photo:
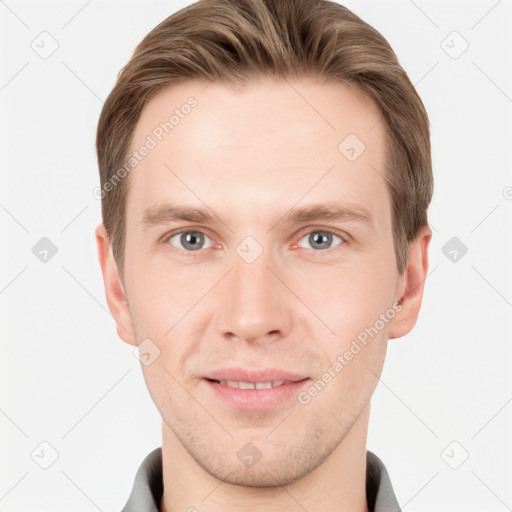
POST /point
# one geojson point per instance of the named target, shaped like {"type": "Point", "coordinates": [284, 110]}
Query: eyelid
{"type": "Point", "coordinates": [167, 237]}
{"type": "Point", "coordinates": [342, 235]}
{"type": "Point", "coordinates": [185, 229]}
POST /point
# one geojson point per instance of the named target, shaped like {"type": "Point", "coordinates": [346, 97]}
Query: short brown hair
{"type": "Point", "coordinates": [234, 40]}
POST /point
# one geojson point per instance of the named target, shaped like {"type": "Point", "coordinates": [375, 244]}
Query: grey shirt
{"type": "Point", "coordinates": [148, 486]}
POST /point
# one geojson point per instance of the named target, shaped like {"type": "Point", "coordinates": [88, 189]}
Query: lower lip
{"type": "Point", "coordinates": [256, 398]}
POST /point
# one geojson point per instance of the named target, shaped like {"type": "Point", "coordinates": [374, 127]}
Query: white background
{"type": "Point", "coordinates": [68, 380]}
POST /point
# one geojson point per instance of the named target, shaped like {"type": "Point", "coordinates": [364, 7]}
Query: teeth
{"type": "Point", "coordinates": [263, 385]}
{"type": "Point", "coordinates": [251, 385]}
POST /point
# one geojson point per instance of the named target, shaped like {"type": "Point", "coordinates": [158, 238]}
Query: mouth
{"type": "Point", "coordinates": [255, 395]}
{"type": "Point", "coordinates": [252, 385]}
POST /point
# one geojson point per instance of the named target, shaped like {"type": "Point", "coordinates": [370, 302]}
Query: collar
{"type": "Point", "coordinates": [148, 486]}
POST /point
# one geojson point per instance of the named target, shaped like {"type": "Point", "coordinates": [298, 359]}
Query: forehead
{"type": "Point", "coordinates": [269, 140]}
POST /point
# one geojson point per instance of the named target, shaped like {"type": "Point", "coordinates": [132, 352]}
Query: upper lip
{"type": "Point", "coordinates": [261, 375]}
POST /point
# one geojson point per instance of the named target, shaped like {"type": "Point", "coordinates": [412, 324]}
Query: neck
{"type": "Point", "coordinates": [338, 484]}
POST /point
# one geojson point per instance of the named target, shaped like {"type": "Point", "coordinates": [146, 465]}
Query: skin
{"type": "Point", "coordinates": [251, 154]}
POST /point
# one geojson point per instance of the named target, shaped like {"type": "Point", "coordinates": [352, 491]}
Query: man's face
{"type": "Point", "coordinates": [256, 289]}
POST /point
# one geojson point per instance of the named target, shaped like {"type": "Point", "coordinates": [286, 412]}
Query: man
{"type": "Point", "coordinates": [266, 173]}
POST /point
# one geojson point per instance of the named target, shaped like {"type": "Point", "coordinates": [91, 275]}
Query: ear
{"type": "Point", "coordinates": [114, 288]}
{"type": "Point", "coordinates": [410, 294]}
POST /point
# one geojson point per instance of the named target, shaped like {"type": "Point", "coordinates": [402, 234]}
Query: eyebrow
{"type": "Point", "coordinates": [165, 213]}
{"type": "Point", "coordinates": [329, 212]}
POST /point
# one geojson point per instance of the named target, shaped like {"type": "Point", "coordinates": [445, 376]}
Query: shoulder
{"type": "Point", "coordinates": [379, 491]}
{"type": "Point", "coordinates": [148, 485]}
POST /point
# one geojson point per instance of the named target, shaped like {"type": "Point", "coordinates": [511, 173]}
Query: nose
{"type": "Point", "coordinates": [253, 303]}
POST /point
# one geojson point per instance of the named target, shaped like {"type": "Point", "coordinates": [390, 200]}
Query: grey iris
{"type": "Point", "coordinates": [320, 237]}
{"type": "Point", "coordinates": [190, 238]}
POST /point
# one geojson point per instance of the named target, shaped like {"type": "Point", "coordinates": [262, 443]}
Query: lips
{"type": "Point", "coordinates": [256, 399]}
{"type": "Point", "coordinates": [252, 385]}
{"type": "Point", "coordinates": [255, 389]}
{"type": "Point", "coordinates": [262, 376]}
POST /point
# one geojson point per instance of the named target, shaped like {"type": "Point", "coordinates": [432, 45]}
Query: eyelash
{"type": "Point", "coordinates": [166, 239]}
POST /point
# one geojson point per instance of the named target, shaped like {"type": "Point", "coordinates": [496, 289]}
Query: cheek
{"type": "Point", "coordinates": [160, 294]}
{"type": "Point", "coordinates": [162, 309]}
{"type": "Point", "coordinates": [348, 298]}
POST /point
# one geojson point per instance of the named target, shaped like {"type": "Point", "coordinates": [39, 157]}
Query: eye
{"type": "Point", "coordinates": [189, 240]}
{"type": "Point", "coordinates": [321, 239]}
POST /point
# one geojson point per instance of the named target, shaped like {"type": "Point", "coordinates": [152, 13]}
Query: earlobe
{"type": "Point", "coordinates": [114, 288]}
{"type": "Point", "coordinates": [414, 283]}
